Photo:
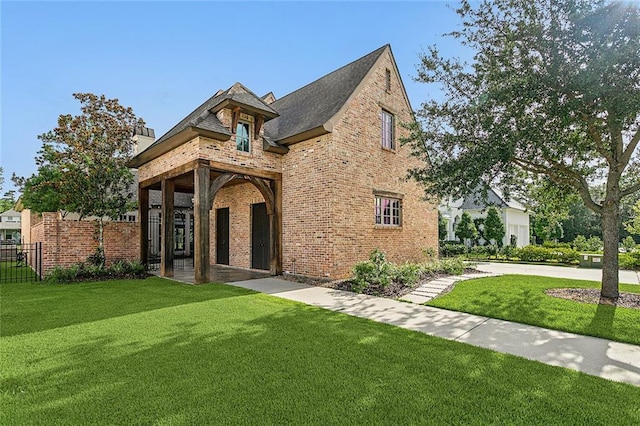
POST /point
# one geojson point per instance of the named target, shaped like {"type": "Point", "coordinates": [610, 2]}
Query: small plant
{"type": "Point", "coordinates": [97, 258]}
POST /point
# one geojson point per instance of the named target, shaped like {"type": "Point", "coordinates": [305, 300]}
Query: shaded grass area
{"type": "Point", "coordinates": [216, 354]}
{"type": "Point", "coordinates": [521, 298]}
{"type": "Point", "coordinates": [10, 271]}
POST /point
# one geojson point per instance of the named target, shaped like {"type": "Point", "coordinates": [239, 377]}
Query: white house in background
{"type": "Point", "coordinates": [513, 214]}
{"type": "Point", "coordinates": [10, 223]}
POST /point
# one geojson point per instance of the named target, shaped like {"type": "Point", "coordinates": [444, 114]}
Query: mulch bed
{"type": "Point", "coordinates": [592, 295]}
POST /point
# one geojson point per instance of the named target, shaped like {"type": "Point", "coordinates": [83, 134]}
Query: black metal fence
{"type": "Point", "coordinates": [181, 258]}
{"type": "Point", "coordinates": [20, 262]}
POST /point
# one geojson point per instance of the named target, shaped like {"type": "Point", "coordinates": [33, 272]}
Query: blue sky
{"type": "Point", "coordinates": [165, 58]}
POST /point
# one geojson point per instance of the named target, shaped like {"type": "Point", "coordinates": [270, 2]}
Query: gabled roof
{"type": "Point", "coordinates": [302, 114]}
{"type": "Point", "coordinates": [204, 116]}
{"type": "Point", "coordinates": [494, 198]}
{"type": "Point", "coordinates": [316, 103]}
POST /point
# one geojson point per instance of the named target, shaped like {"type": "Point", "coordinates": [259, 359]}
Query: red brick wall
{"type": "Point", "coordinates": [309, 174]}
{"type": "Point", "coordinates": [362, 166]}
{"type": "Point", "coordinates": [65, 242]}
{"type": "Point", "coordinates": [238, 198]}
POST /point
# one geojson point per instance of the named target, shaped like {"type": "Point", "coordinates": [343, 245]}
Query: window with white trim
{"type": "Point", "coordinates": [242, 137]}
{"type": "Point", "coordinates": [387, 130]}
{"type": "Point", "coordinates": [388, 211]}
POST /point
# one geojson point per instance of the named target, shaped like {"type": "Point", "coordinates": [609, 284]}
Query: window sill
{"type": "Point", "coordinates": [246, 154]}
{"type": "Point", "coordinates": [388, 227]}
{"type": "Point", "coordinates": [391, 150]}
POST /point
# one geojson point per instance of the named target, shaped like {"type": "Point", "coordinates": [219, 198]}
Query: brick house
{"type": "Point", "coordinates": [309, 183]}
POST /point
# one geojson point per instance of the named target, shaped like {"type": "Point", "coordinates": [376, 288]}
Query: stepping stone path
{"type": "Point", "coordinates": [433, 289]}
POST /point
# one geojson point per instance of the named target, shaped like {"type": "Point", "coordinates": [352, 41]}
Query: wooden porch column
{"type": "Point", "coordinates": [168, 218]}
{"type": "Point", "coordinates": [143, 223]}
{"type": "Point", "coordinates": [201, 207]}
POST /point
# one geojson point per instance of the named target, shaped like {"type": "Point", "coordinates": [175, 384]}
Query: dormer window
{"type": "Point", "coordinates": [242, 136]}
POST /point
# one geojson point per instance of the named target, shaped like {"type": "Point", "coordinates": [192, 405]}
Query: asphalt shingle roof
{"type": "Point", "coordinates": [494, 198]}
{"type": "Point", "coordinates": [316, 103]}
{"type": "Point", "coordinates": [203, 118]}
{"type": "Point", "coordinates": [307, 108]}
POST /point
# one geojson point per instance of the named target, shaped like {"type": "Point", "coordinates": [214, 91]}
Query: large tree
{"type": "Point", "coordinates": [82, 166]}
{"type": "Point", "coordinates": [552, 93]}
{"type": "Point", "coordinates": [494, 227]}
{"type": "Point", "coordinates": [8, 199]}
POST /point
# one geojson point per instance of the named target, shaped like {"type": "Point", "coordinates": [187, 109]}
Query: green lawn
{"type": "Point", "coordinates": [521, 298]}
{"type": "Point", "coordinates": [9, 272]}
{"type": "Point", "coordinates": [160, 352]}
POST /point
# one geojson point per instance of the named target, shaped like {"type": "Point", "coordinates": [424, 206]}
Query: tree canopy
{"type": "Point", "coordinates": [552, 94]}
{"type": "Point", "coordinates": [82, 166]}
{"type": "Point", "coordinates": [8, 198]}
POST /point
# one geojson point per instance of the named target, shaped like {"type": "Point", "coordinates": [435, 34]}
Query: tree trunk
{"type": "Point", "coordinates": [610, 231]}
{"type": "Point", "coordinates": [101, 241]}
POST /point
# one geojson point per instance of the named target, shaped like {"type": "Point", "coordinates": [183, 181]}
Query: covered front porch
{"type": "Point", "coordinates": [204, 179]}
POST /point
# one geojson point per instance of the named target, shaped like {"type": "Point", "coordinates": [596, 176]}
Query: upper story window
{"type": "Point", "coordinates": [387, 130]}
{"type": "Point", "coordinates": [387, 80]}
{"type": "Point", "coordinates": [242, 136]}
{"type": "Point", "coordinates": [388, 211]}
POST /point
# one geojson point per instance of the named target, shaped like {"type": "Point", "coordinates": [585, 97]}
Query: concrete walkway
{"type": "Point", "coordinates": [591, 355]}
{"type": "Point", "coordinates": [628, 277]}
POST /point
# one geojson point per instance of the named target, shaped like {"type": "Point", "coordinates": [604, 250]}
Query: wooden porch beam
{"type": "Point", "coordinates": [201, 208]}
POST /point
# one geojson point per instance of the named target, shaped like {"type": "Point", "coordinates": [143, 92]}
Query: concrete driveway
{"type": "Point", "coordinates": [627, 277]}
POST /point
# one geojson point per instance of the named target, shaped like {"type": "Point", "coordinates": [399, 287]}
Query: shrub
{"type": "Point", "coordinates": [378, 276]}
{"type": "Point", "coordinates": [630, 260]}
{"type": "Point", "coordinates": [594, 244]}
{"type": "Point", "coordinates": [453, 248]}
{"type": "Point", "coordinates": [478, 252]}
{"type": "Point", "coordinates": [509, 251]}
{"type": "Point", "coordinates": [565, 255]}
{"type": "Point", "coordinates": [628, 243]}
{"type": "Point", "coordinates": [553, 244]}
{"type": "Point", "coordinates": [408, 274]}
{"type": "Point", "coordinates": [543, 254]}
{"type": "Point", "coordinates": [373, 272]}
{"type": "Point", "coordinates": [533, 253]}
{"type": "Point", "coordinates": [454, 266]}
{"type": "Point", "coordinates": [580, 243]}
{"type": "Point", "coordinates": [87, 271]}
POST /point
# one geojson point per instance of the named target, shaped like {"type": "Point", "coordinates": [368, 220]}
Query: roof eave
{"type": "Point", "coordinates": [230, 103]}
{"type": "Point", "coordinates": [312, 133]}
{"type": "Point", "coordinates": [173, 142]}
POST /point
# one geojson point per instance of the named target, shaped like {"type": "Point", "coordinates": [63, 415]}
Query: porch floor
{"type": "Point", "coordinates": [218, 273]}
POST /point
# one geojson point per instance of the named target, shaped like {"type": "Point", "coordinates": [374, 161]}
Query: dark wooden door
{"type": "Point", "coordinates": [222, 236]}
{"type": "Point", "coordinates": [259, 236]}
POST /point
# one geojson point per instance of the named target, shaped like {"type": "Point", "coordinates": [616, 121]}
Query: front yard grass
{"type": "Point", "coordinates": [159, 352]}
{"type": "Point", "coordinates": [521, 298]}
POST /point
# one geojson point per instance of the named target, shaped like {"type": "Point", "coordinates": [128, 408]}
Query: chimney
{"type": "Point", "coordinates": [143, 137]}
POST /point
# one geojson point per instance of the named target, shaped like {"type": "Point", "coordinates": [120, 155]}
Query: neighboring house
{"type": "Point", "coordinates": [515, 216]}
{"type": "Point", "coordinates": [10, 226]}
{"type": "Point", "coordinates": [309, 183]}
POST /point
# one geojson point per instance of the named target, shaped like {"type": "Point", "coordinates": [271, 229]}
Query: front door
{"type": "Point", "coordinates": [259, 236]}
{"type": "Point", "coordinates": [222, 236]}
